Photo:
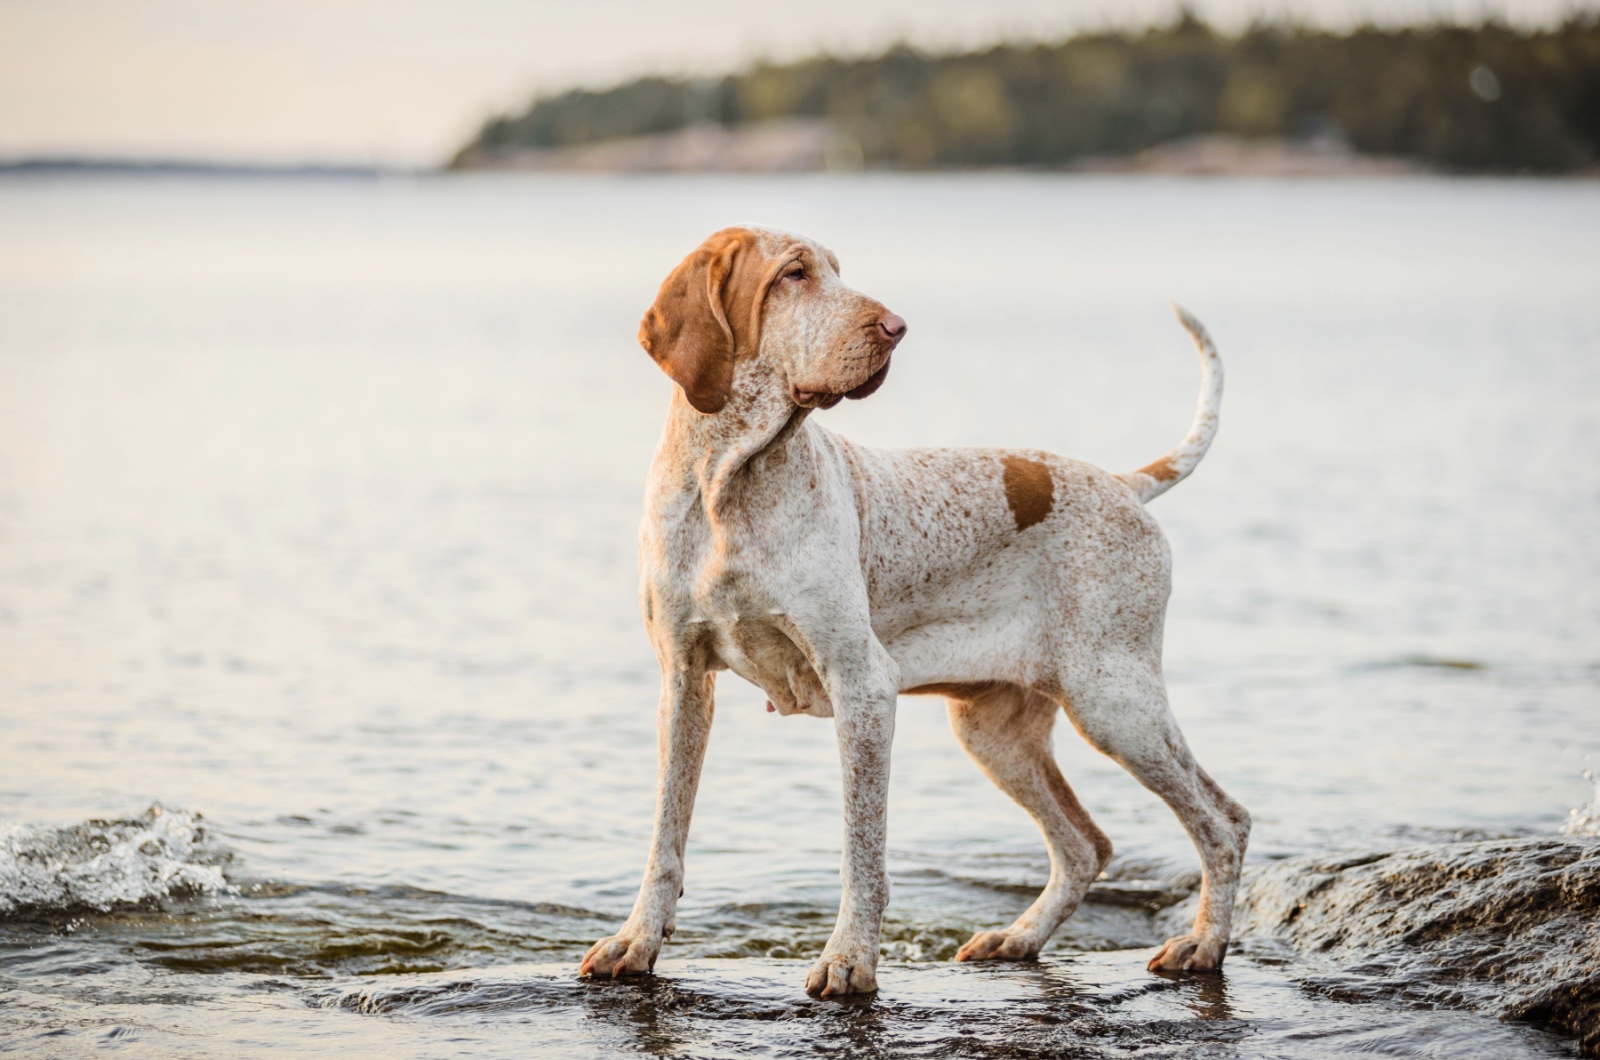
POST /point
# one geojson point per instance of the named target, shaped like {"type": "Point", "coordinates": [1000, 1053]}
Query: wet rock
{"type": "Point", "coordinates": [1509, 927]}
{"type": "Point", "coordinates": [1089, 1006]}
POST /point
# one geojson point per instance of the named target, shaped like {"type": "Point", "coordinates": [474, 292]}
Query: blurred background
{"type": "Point", "coordinates": [323, 433]}
{"type": "Point", "coordinates": [411, 84]}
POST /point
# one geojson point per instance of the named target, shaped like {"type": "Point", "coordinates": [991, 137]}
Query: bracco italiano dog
{"type": "Point", "coordinates": [1012, 582]}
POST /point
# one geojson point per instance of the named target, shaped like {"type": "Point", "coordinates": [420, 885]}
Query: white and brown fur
{"type": "Point", "coordinates": [1014, 583]}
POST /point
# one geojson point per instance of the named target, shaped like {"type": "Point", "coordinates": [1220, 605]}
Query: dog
{"type": "Point", "coordinates": [836, 578]}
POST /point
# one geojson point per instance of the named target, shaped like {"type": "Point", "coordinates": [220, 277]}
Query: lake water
{"type": "Point", "coordinates": [317, 515]}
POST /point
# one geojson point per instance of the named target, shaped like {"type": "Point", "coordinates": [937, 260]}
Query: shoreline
{"type": "Point", "coordinates": [816, 147]}
{"type": "Point", "coordinates": [794, 149]}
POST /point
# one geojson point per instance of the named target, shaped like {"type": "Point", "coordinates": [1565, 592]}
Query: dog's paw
{"type": "Point", "coordinates": [842, 974]}
{"type": "Point", "coordinates": [998, 946]}
{"type": "Point", "coordinates": [625, 953]}
{"type": "Point", "coordinates": [1189, 953]}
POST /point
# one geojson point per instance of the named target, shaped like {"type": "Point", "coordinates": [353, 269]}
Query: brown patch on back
{"type": "Point", "coordinates": [1162, 470]}
{"type": "Point", "coordinates": [953, 689]}
{"type": "Point", "coordinates": [1030, 491]}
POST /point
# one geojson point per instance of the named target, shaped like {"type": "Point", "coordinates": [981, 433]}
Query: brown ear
{"type": "Point", "coordinates": [689, 331]}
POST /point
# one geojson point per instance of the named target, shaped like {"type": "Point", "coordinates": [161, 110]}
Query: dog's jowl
{"type": "Point", "coordinates": [1014, 583]}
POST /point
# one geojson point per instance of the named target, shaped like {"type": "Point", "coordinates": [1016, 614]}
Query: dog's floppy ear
{"type": "Point", "coordinates": [690, 330]}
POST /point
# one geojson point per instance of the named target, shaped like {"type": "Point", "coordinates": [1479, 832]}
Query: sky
{"type": "Point", "coordinates": [406, 82]}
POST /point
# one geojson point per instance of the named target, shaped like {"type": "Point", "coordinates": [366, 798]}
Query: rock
{"type": "Point", "coordinates": [1509, 927]}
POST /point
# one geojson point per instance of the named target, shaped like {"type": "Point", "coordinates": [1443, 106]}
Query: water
{"type": "Point", "coordinates": [317, 516]}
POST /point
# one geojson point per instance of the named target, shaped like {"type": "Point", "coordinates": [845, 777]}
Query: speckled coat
{"type": "Point", "coordinates": [1013, 582]}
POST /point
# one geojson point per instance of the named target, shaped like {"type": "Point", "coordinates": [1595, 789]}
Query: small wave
{"type": "Point", "coordinates": [101, 865]}
{"type": "Point", "coordinates": [1585, 820]}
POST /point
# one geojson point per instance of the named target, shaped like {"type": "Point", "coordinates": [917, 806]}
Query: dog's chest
{"type": "Point", "coordinates": [747, 581]}
{"type": "Point", "coordinates": [730, 600]}
{"type": "Point", "coordinates": [750, 635]}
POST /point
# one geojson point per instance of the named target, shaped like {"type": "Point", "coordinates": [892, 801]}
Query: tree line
{"type": "Point", "coordinates": [1488, 97]}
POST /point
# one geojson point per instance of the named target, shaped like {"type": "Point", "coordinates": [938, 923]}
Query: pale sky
{"type": "Point", "coordinates": [407, 81]}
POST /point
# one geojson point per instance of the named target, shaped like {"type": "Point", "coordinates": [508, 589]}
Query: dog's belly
{"type": "Point", "coordinates": [978, 635]}
{"type": "Point", "coordinates": [960, 655]}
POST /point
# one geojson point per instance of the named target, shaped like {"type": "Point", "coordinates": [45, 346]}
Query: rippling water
{"type": "Point", "coordinates": [317, 514]}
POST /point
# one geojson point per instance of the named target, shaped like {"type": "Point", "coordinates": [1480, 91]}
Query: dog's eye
{"type": "Point", "coordinates": [796, 273]}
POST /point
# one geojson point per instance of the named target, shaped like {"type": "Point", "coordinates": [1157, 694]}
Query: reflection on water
{"type": "Point", "coordinates": [317, 516]}
{"type": "Point", "coordinates": [1210, 996]}
{"type": "Point", "coordinates": [1085, 1006]}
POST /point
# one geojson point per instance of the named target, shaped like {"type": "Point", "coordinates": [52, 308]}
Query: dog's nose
{"type": "Point", "coordinates": [893, 326]}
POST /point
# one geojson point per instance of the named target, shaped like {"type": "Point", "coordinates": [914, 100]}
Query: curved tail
{"type": "Point", "coordinates": [1157, 477]}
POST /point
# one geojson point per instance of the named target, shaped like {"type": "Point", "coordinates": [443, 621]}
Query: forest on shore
{"type": "Point", "coordinates": [1478, 98]}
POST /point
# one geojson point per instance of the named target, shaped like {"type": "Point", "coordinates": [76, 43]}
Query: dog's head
{"type": "Point", "coordinates": [775, 299]}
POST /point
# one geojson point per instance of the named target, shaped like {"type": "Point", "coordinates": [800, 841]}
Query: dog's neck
{"type": "Point", "coordinates": [708, 452]}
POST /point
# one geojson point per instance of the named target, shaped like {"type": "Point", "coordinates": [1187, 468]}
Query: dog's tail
{"type": "Point", "coordinates": [1156, 478]}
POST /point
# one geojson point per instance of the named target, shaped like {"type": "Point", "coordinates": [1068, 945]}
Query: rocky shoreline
{"type": "Point", "coordinates": [815, 146]}
{"type": "Point", "coordinates": [1507, 927]}
{"type": "Point", "coordinates": [1433, 949]}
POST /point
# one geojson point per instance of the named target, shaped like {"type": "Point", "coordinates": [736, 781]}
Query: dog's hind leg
{"type": "Point", "coordinates": [1006, 730]}
{"type": "Point", "coordinates": [1122, 711]}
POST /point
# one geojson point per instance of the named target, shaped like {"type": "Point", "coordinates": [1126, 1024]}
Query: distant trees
{"type": "Point", "coordinates": [1480, 98]}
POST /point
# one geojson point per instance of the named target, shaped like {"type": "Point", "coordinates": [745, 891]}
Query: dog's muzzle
{"type": "Point", "coordinates": [818, 399]}
{"type": "Point", "coordinates": [893, 330]}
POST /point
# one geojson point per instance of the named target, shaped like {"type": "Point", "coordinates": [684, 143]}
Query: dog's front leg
{"type": "Point", "coordinates": [864, 721]}
{"type": "Point", "coordinates": [683, 726]}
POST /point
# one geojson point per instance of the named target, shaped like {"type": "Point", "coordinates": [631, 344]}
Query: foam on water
{"type": "Point", "coordinates": [1585, 820]}
{"type": "Point", "coordinates": [100, 865]}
